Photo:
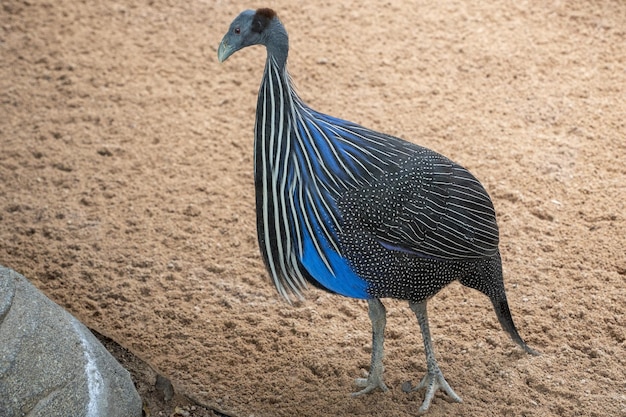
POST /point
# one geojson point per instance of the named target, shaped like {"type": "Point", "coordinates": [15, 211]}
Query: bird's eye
{"type": "Point", "coordinates": [237, 31]}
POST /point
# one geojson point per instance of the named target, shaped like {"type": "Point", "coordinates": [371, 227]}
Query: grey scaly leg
{"type": "Point", "coordinates": [378, 316]}
{"type": "Point", "coordinates": [434, 379]}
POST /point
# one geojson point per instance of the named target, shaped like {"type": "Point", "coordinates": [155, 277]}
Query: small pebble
{"type": "Point", "coordinates": [407, 386]}
{"type": "Point", "coordinates": [180, 412]}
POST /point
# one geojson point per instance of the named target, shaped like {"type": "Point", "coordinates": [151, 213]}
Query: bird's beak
{"type": "Point", "coordinates": [225, 50]}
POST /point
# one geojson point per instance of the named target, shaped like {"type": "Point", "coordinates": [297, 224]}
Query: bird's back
{"type": "Point", "coordinates": [410, 198]}
{"type": "Point", "coordinates": [419, 222]}
{"type": "Point", "coordinates": [427, 206]}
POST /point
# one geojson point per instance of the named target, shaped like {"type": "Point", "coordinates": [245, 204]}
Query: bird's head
{"type": "Point", "coordinates": [251, 27]}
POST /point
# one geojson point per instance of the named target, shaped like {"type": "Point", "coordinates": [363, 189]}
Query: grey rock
{"type": "Point", "coordinates": [51, 364]}
{"type": "Point", "coordinates": [164, 388]}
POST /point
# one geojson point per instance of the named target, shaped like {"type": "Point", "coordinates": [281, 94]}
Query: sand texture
{"type": "Point", "coordinates": [127, 196]}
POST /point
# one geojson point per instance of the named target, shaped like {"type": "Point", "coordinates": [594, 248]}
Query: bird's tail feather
{"type": "Point", "coordinates": [501, 306]}
{"type": "Point", "coordinates": [488, 279]}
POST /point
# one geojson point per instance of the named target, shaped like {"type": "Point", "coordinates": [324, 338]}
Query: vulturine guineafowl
{"type": "Point", "coordinates": [360, 213]}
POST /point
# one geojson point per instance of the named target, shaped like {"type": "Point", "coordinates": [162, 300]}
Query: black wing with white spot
{"type": "Point", "coordinates": [430, 207]}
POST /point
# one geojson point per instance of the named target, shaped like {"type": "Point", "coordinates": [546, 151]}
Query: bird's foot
{"type": "Point", "coordinates": [432, 382]}
{"type": "Point", "coordinates": [374, 380]}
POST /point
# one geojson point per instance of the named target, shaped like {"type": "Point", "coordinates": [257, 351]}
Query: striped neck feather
{"type": "Point", "coordinates": [304, 160]}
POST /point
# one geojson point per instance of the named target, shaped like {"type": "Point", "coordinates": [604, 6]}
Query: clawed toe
{"type": "Point", "coordinates": [432, 383]}
{"type": "Point", "coordinates": [369, 384]}
{"type": "Point", "coordinates": [360, 382]}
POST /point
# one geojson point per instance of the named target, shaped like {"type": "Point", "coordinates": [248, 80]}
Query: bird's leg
{"type": "Point", "coordinates": [434, 379]}
{"type": "Point", "coordinates": [378, 316]}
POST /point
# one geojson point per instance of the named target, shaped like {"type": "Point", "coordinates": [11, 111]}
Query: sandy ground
{"type": "Point", "coordinates": [126, 193]}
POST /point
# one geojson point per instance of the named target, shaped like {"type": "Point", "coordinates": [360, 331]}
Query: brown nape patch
{"type": "Point", "coordinates": [266, 12]}
{"type": "Point", "coordinates": [261, 19]}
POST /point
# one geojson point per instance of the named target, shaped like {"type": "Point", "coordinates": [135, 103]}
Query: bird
{"type": "Point", "coordinates": [360, 213]}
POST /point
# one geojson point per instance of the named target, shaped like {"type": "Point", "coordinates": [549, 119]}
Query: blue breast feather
{"type": "Point", "coordinates": [319, 256]}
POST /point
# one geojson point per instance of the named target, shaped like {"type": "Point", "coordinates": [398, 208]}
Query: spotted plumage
{"type": "Point", "coordinates": [361, 213]}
